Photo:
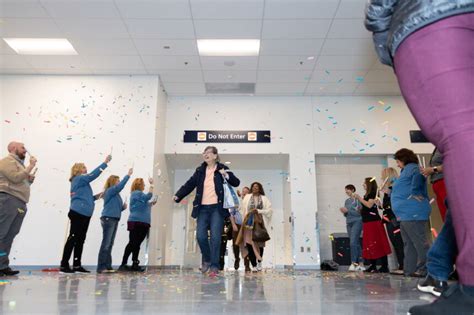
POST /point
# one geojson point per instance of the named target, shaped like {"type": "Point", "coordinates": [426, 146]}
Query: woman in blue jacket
{"type": "Point", "coordinates": [138, 222]}
{"type": "Point", "coordinates": [208, 179]}
{"type": "Point", "coordinates": [411, 205]}
{"type": "Point", "coordinates": [82, 207]}
{"type": "Point", "coordinates": [113, 207]}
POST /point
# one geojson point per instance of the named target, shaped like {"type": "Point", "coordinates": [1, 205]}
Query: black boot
{"type": "Point", "coordinates": [9, 272]}
{"type": "Point", "coordinates": [136, 267]}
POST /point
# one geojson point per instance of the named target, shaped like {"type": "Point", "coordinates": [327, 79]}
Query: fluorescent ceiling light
{"type": "Point", "coordinates": [228, 47]}
{"type": "Point", "coordinates": [41, 46]}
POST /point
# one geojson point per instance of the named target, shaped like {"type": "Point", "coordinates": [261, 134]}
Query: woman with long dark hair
{"type": "Point", "coordinates": [375, 244]}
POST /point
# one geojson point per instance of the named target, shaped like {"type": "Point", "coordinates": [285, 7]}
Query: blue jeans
{"type": "Point", "coordinates": [209, 218]}
{"type": "Point", "coordinates": [109, 228]}
{"type": "Point", "coordinates": [353, 230]}
{"type": "Point", "coordinates": [443, 252]}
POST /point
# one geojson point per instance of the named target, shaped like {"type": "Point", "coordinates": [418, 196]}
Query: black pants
{"type": "Point", "coordinates": [136, 237]}
{"type": "Point", "coordinates": [76, 238]}
{"type": "Point", "coordinates": [252, 257]}
{"type": "Point", "coordinates": [397, 242]}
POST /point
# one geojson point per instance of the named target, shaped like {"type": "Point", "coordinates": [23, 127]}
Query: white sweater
{"type": "Point", "coordinates": [266, 212]}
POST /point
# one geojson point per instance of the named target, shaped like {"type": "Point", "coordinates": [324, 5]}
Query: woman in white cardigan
{"type": "Point", "coordinates": [255, 202]}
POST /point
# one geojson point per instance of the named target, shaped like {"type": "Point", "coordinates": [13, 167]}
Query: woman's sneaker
{"type": "Point", "coordinates": [259, 266]}
{"type": "Point", "coordinates": [353, 267]}
{"type": "Point", "coordinates": [65, 269]}
{"type": "Point", "coordinates": [430, 285]}
{"type": "Point", "coordinates": [80, 269]}
{"type": "Point", "coordinates": [205, 267]}
{"type": "Point", "coordinates": [360, 268]}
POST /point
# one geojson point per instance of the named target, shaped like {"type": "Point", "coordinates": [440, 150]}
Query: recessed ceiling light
{"type": "Point", "coordinates": [227, 162]}
{"type": "Point", "coordinates": [310, 58]}
{"type": "Point", "coordinates": [228, 47]}
{"type": "Point", "coordinates": [41, 46]}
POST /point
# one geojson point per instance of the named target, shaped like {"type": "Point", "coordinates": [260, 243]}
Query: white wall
{"type": "Point", "coordinates": [67, 119]}
{"type": "Point", "coordinates": [301, 127]}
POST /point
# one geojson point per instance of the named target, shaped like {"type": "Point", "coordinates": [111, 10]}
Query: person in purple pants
{"type": "Point", "coordinates": [430, 44]}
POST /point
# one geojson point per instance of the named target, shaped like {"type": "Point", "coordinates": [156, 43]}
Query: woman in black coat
{"type": "Point", "coordinates": [208, 179]}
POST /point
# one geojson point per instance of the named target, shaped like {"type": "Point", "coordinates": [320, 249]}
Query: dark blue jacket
{"type": "Point", "coordinates": [197, 181]}
{"type": "Point", "coordinates": [391, 21]}
{"type": "Point", "coordinates": [82, 198]}
{"type": "Point", "coordinates": [113, 204]}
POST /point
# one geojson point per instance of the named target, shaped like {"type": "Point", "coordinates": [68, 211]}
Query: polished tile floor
{"type": "Point", "coordinates": [175, 292]}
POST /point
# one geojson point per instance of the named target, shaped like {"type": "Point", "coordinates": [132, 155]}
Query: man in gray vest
{"type": "Point", "coordinates": [15, 181]}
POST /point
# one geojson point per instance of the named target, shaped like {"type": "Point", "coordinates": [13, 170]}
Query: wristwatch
{"type": "Point", "coordinates": [435, 169]}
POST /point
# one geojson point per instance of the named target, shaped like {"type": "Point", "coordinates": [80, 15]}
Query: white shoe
{"type": "Point", "coordinates": [353, 267]}
{"type": "Point", "coordinates": [360, 268]}
{"type": "Point", "coordinates": [259, 266]}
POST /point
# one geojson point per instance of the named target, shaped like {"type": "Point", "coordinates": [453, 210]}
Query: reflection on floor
{"type": "Point", "coordinates": [174, 292]}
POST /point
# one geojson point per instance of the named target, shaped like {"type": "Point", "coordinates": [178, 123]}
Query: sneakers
{"type": "Point", "coordinates": [66, 269]}
{"type": "Point", "coordinates": [398, 272]}
{"type": "Point", "coordinates": [205, 267]}
{"type": "Point", "coordinates": [430, 285]}
{"type": "Point", "coordinates": [136, 267]}
{"type": "Point", "coordinates": [213, 273]}
{"type": "Point", "coordinates": [360, 268]}
{"type": "Point", "coordinates": [452, 301]}
{"type": "Point", "coordinates": [353, 267]}
{"type": "Point", "coordinates": [259, 266]}
{"type": "Point", "coordinates": [372, 269]}
{"type": "Point", "coordinates": [8, 272]}
{"type": "Point", "coordinates": [80, 269]}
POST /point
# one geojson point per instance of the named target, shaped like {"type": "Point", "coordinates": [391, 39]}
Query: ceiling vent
{"type": "Point", "coordinates": [230, 88]}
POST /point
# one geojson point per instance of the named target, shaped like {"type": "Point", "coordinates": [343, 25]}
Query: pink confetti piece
{"type": "Point", "coordinates": [396, 231]}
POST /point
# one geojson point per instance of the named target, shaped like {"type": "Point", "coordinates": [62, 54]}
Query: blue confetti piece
{"type": "Point", "coordinates": [371, 146]}
{"type": "Point", "coordinates": [339, 81]}
{"type": "Point", "coordinates": [371, 108]}
{"type": "Point", "coordinates": [359, 79]}
{"type": "Point", "coordinates": [330, 117]}
{"type": "Point", "coordinates": [353, 129]}
{"type": "Point", "coordinates": [388, 108]}
{"type": "Point", "coordinates": [363, 131]}
{"type": "Point", "coordinates": [3, 254]}
{"type": "Point", "coordinates": [327, 72]}
{"type": "Point", "coordinates": [395, 139]}
{"type": "Point", "coordinates": [340, 152]}
{"type": "Point", "coordinates": [361, 150]}
{"type": "Point", "coordinates": [334, 123]}
{"type": "Point", "coordinates": [318, 110]}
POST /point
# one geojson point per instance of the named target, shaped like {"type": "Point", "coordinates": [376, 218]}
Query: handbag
{"type": "Point", "coordinates": [259, 232]}
{"type": "Point", "coordinates": [230, 197]}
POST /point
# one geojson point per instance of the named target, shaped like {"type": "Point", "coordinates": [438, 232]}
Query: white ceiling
{"type": "Point", "coordinates": [129, 36]}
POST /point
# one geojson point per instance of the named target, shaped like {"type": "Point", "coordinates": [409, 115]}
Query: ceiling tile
{"type": "Point", "coordinates": [26, 9]}
{"type": "Point", "coordinates": [55, 62]}
{"type": "Point", "coordinates": [17, 71]}
{"type": "Point", "coordinates": [348, 46]}
{"type": "Point", "coordinates": [284, 76]}
{"type": "Point", "coordinates": [172, 62]}
{"type": "Point", "coordinates": [14, 62]}
{"type": "Point", "coordinates": [331, 89]}
{"type": "Point", "coordinates": [349, 28]}
{"type": "Point", "coordinates": [285, 47]}
{"type": "Point", "coordinates": [30, 28]}
{"type": "Point", "coordinates": [190, 76]}
{"type": "Point", "coordinates": [338, 76]}
{"type": "Point", "coordinates": [120, 71]}
{"type": "Point", "coordinates": [296, 89]}
{"type": "Point", "coordinates": [230, 76]}
{"type": "Point", "coordinates": [177, 47]}
{"type": "Point", "coordinates": [113, 62]}
{"type": "Point", "coordinates": [160, 29]}
{"type": "Point", "coordinates": [233, 9]}
{"type": "Point", "coordinates": [93, 28]}
{"type": "Point", "coordinates": [184, 88]}
{"type": "Point", "coordinates": [225, 63]}
{"type": "Point", "coordinates": [154, 9]}
{"type": "Point", "coordinates": [345, 62]}
{"type": "Point", "coordinates": [80, 9]}
{"type": "Point", "coordinates": [300, 9]}
{"type": "Point", "coordinates": [5, 49]}
{"type": "Point", "coordinates": [104, 46]}
{"type": "Point", "coordinates": [71, 71]}
{"type": "Point", "coordinates": [295, 29]}
{"type": "Point", "coordinates": [224, 29]}
{"type": "Point", "coordinates": [378, 89]}
{"type": "Point", "coordinates": [351, 9]}
{"type": "Point", "coordinates": [285, 63]}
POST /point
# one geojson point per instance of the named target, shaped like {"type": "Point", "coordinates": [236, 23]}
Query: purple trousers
{"type": "Point", "coordinates": [435, 70]}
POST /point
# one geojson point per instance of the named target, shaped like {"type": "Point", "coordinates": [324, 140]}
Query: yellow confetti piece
{"type": "Point", "coordinates": [381, 103]}
{"type": "Point", "coordinates": [372, 179]}
{"type": "Point", "coordinates": [21, 211]}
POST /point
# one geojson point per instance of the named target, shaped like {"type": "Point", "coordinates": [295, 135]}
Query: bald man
{"type": "Point", "coordinates": [15, 181]}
